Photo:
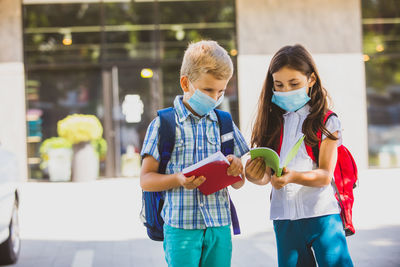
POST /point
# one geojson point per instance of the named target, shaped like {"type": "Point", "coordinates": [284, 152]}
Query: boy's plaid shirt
{"type": "Point", "coordinates": [196, 138]}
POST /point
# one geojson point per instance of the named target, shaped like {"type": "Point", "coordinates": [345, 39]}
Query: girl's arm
{"type": "Point", "coordinates": [256, 172]}
{"type": "Point", "coordinates": [152, 181]}
{"type": "Point", "coordinates": [315, 178]}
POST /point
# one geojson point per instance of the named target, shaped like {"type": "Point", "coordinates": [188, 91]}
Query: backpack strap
{"type": "Point", "coordinates": [227, 148]}
{"type": "Point", "coordinates": [153, 201]}
{"type": "Point", "coordinates": [313, 152]}
{"type": "Point", "coordinates": [280, 141]}
{"type": "Point", "coordinates": [166, 135]}
{"type": "Point", "coordinates": [226, 131]}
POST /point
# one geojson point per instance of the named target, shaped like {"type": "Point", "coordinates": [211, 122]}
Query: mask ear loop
{"type": "Point", "coordinates": [190, 84]}
{"type": "Point", "coordinates": [310, 90]}
{"type": "Point", "coordinates": [185, 94]}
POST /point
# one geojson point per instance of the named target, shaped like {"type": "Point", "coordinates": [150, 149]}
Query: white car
{"type": "Point", "coordinates": [10, 243]}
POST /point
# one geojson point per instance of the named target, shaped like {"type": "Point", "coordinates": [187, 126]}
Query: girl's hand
{"type": "Point", "coordinates": [255, 168]}
{"type": "Point", "coordinates": [279, 182]}
{"type": "Point", "coordinates": [191, 182]}
{"type": "Point", "coordinates": [236, 167]}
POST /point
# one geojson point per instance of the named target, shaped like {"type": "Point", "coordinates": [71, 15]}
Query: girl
{"type": "Point", "coordinates": [304, 210]}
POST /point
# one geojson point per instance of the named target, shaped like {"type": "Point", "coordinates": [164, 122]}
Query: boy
{"type": "Point", "coordinates": [197, 227]}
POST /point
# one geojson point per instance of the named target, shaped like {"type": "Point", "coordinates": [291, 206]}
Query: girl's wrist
{"type": "Point", "coordinates": [295, 177]}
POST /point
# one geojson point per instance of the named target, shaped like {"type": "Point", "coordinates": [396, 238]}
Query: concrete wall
{"type": "Point", "coordinates": [331, 31]}
{"type": "Point", "coordinates": [12, 88]}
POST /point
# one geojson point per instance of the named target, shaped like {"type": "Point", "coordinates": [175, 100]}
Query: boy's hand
{"type": "Point", "coordinates": [236, 167]}
{"type": "Point", "coordinates": [255, 168]}
{"type": "Point", "coordinates": [279, 182]}
{"type": "Point", "coordinates": [191, 182]}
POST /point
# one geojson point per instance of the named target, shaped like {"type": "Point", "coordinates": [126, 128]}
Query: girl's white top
{"type": "Point", "coordinates": [295, 201]}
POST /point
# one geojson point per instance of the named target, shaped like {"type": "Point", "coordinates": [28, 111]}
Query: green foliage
{"type": "Point", "coordinates": [53, 143]}
{"type": "Point", "coordinates": [100, 145]}
{"type": "Point", "coordinates": [381, 42]}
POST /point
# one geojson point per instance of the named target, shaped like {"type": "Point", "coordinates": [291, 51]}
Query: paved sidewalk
{"type": "Point", "coordinates": [97, 224]}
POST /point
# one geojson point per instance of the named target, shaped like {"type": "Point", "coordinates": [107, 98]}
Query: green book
{"type": "Point", "coordinates": [271, 158]}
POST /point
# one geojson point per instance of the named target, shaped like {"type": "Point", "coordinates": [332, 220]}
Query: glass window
{"type": "Point", "coordinates": [129, 31]}
{"type": "Point", "coordinates": [62, 33]}
{"type": "Point", "coordinates": [381, 40]}
{"type": "Point", "coordinates": [54, 94]}
{"type": "Point", "coordinates": [76, 52]}
{"type": "Point", "coordinates": [182, 22]}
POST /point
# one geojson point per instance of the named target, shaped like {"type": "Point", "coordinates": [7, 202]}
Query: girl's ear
{"type": "Point", "coordinates": [184, 84]}
{"type": "Point", "coordinates": [313, 80]}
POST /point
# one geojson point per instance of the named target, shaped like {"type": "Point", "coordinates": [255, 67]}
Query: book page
{"type": "Point", "coordinates": [271, 158]}
{"type": "Point", "coordinates": [293, 152]}
{"type": "Point", "coordinates": [218, 156]}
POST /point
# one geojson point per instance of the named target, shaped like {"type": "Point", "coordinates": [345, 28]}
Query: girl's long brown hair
{"type": "Point", "coordinates": [269, 120]}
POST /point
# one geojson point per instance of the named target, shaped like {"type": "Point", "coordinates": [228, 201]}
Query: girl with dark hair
{"type": "Point", "coordinates": [304, 210]}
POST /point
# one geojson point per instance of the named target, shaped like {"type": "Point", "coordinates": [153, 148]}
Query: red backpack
{"type": "Point", "coordinates": [345, 176]}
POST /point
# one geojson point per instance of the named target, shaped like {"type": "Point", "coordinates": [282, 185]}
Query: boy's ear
{"type": "Point", "coordinates": [184, 83]}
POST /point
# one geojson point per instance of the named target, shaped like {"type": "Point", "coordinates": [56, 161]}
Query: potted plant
{"type": "Point", "coordinates": [100, 146]}
{"type": "Point", "coordinates": [84, 132]}
{"type": "Point", "coordinates": [56, 154]}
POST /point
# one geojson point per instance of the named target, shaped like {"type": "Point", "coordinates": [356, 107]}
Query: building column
{"type": "Point", "coordinates": [12, 88]}
{"type": "Point", "coordinates": [331, 32]}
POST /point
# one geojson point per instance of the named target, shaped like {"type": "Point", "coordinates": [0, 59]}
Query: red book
{"type": "Point", "coordinates": [214, 168]}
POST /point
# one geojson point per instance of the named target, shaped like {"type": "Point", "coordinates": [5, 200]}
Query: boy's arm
{"type": "Point", "coordinates": [152, 181]}
{"type": "Point", "coordinates": [239, 184]}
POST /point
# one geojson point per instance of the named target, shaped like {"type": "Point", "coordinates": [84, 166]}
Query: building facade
{"type": "Point", "coordinates": [12, 86]}
{"type": "Point", "coordinates": [120, 60]}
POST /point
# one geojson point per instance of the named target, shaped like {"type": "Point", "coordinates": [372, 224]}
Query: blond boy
{"type": "Point", "coordinates": [197, 227]}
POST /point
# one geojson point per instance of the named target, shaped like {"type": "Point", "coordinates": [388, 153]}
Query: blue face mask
{"type": "Point", "coordinates": [292, 100]}
{"type": "Point", "coordinates": [202, 103]}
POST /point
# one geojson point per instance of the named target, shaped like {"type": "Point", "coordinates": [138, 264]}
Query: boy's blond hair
{"type": "Point", "coordinates": [206, 57]}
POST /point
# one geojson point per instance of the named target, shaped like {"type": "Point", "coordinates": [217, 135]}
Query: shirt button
{"type": "Point", "coordinates": [201, 204]}
{"type": "Point", "coordinates": [199, 147]}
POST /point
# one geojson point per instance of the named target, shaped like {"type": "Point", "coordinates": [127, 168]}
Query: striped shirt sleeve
{"type": "Point", "coordinates": [150, 143]}
{"type": "Point", "coordinates": [241, 147]}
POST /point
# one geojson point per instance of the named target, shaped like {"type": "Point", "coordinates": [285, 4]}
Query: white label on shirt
{"type": "Point", "coordinates": [227, 137]}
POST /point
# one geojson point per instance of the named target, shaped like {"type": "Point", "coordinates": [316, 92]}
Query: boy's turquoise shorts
{"type": "Point", "coordinates": [200, 247]}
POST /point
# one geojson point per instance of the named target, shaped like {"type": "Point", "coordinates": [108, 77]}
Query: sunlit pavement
{"type": "Point", "coordinates": [97, 224]}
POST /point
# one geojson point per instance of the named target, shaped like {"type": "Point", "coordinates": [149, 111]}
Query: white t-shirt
{"type": "Point", "coordinates": [295, 201]}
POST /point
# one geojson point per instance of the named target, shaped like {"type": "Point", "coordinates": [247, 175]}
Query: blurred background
{"type": "Point", "coordinates": [119, 61]}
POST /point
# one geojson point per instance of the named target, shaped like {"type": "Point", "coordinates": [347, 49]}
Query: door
{"type": "Point", "coordinates": [132, 97]}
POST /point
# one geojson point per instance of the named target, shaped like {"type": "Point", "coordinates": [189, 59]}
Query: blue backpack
{"type": "Point", "coordinates": [152, 202]}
